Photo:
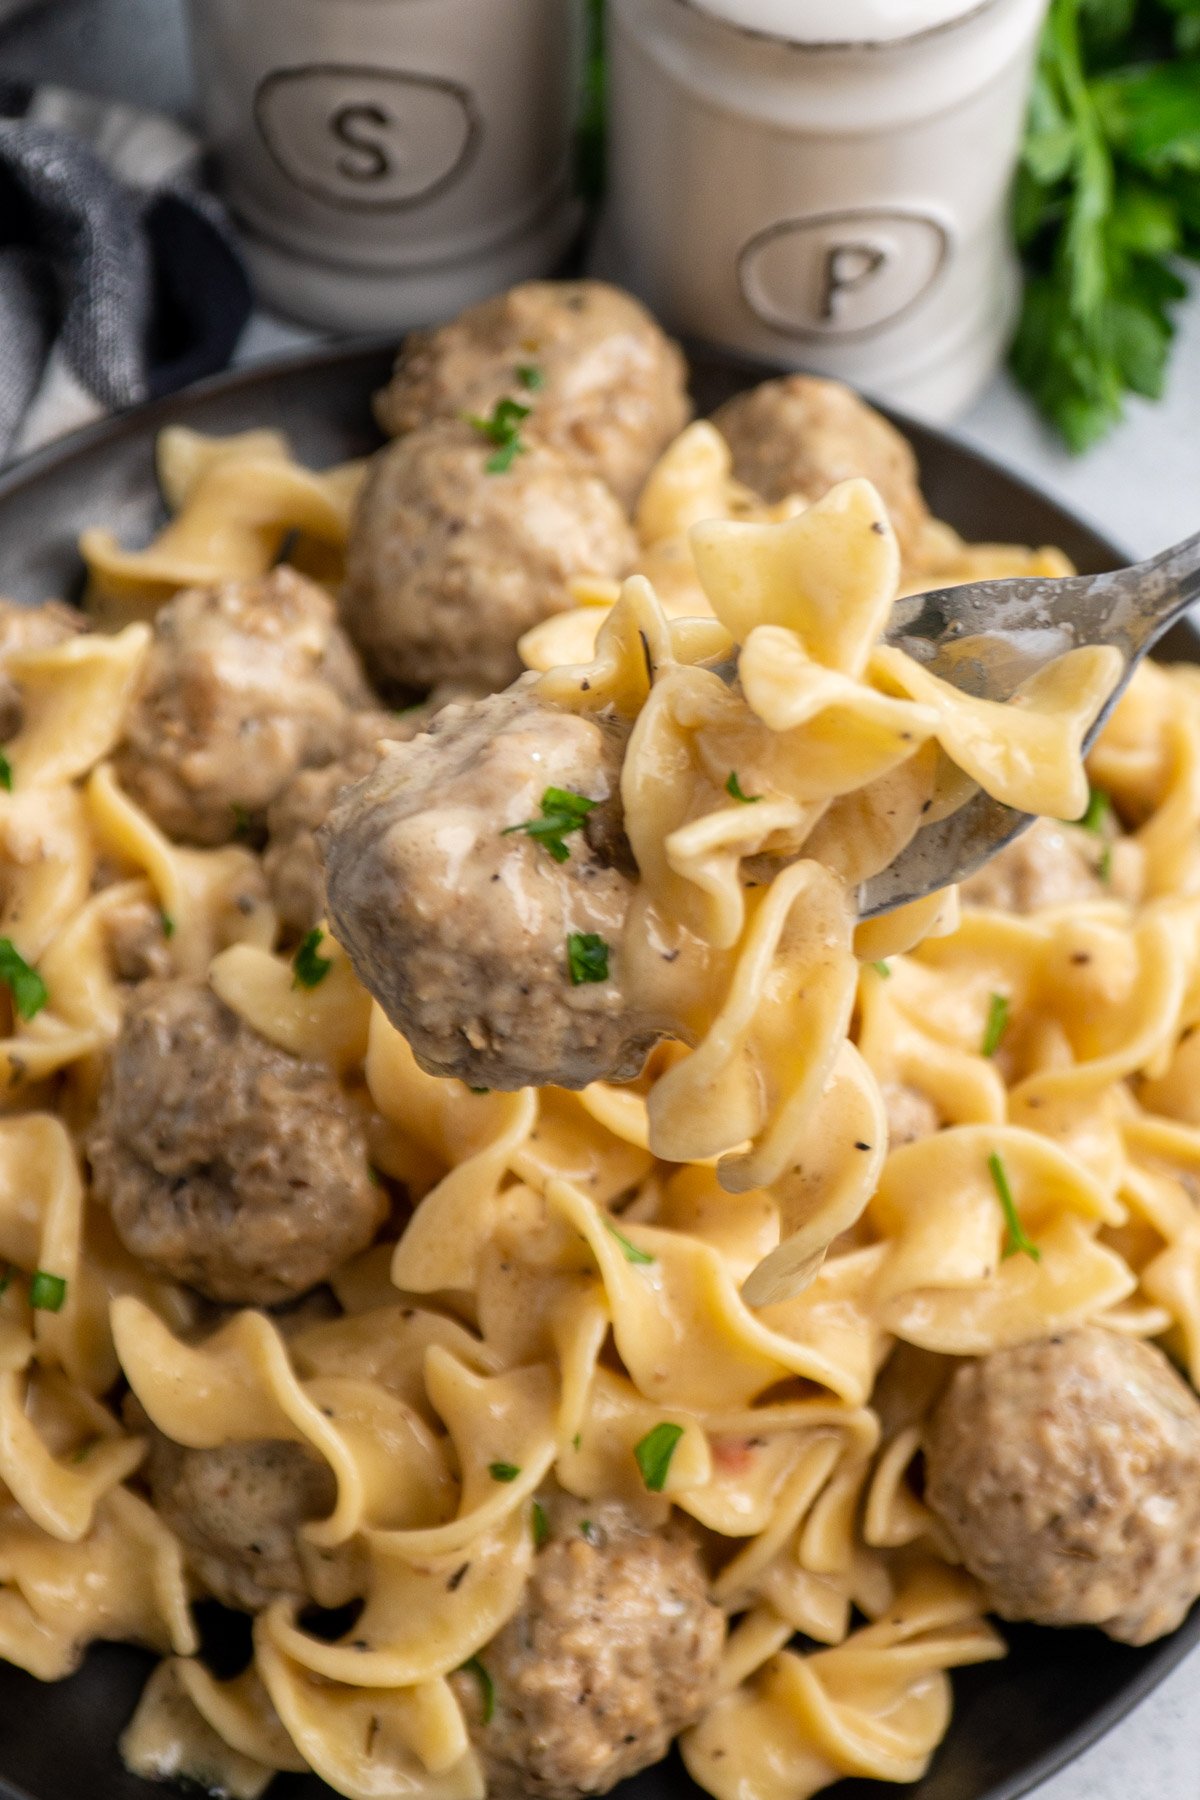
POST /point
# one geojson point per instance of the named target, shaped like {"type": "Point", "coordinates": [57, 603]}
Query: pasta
{"type": "Point", "coordinates": [717, 1297]}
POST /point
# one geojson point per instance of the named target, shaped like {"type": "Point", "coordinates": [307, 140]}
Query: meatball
{"type": "Point", "coordinates": [609, 389]}
{"type": "Point", "coordinates": [458, 921]}
{"type": "Point", "coordinates": [29, 628]}
{"type": "Point", "coordinates": [236, 1511]}
{"type": "Point", "coordinates": [613, 1652]}
{"type": "Point", "coordinates": [802, 435]}
{"type": "Point", "coordinates": [293, 867]}
{"type": "Point", "coordinates": [137, 941]}
{"type": "Point", "coordinates": [243, 685]}
{"type": "Point", "coordinates": [449, 563]}
{"type": "Point", "coordinates": [226, 1163]}
{"type": "Point", "coordinates": [1048, 865]}
{"type": "Point", "coordinates": [1067, 1473]}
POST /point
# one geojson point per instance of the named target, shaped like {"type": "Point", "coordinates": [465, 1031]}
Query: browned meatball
{"type": "Point", "coordinates": [227, 1163]}
{"type": "Point", "coordinates": [450, 563]}
{"type": "Point", "coordinates": [1067, 1472]}
{"type": "Point", "coordinates": [244, 684]}
{"type": "Point", "coordinates": [459, 924]}
{"type": "Point", "coordinates": [802, 435]}
{"type": "Point", "coordinates": [236, 1511]}
{"type": "Point", "coordinates": [613, 1652]}
{"type": "Point", "coordinates": [1048, 865]}
{"type": "Point", "coordinates": [610, 390]}
{"type": "Point", "coordinates": [30, 628]}
{"type": "Point", "coordinates": [295, 874]}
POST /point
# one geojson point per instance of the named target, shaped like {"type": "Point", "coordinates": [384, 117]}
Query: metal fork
{"type": "Point", "coordinates": [990, 636]}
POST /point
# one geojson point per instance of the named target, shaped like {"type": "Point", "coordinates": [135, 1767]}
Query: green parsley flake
{"type": "Point", "coordinates": [1104, 866]}
{"type": "Point", "coordinates": [588, 1531]}
{"type": "Point", "coordinates": [883, 970]}
{"type": "Point", "coordinates": [47, 1292]}
{"type": "Point", "coordinates": [487, 1688]}
{"type": "Point", "coordinates": [632, 1253]}
{"type": "Point", "coordinates": [654, 1453]}
{"type": "Point", "coordinates": [243, 824]}
{"type": "Point", "coordinates": [1099, 810]}
{"type": "Point", "coordinates": [502, 428]}
{"type": "Point", "coordinates": [310, 969]}
{"type": "Point", "coordinates": [502, 1471]}
{"type": "Point", "coordinates": [562, 812]}
{"type": "Point", "coordinates": [475, 1090]}
{"type": "Point", "coordinates": [5, 773]}
{"type": "Point", "coordinates": [168, 925]}
{"type": "Point", "coordinates": [541, 1525]}
{"type": "Point", "coordinates": [1017, 1240]}
{"type": "Point", "coordinates": [531, 377]}
{"type": "Point", "coordinates": [995, 1026]}
{"type": "Point", "coordinates": [587, 957]}
{"type": "Point", "coordinates": [577, 1440]}
{"type": "Point", "coordinates": [733, 788]}
{"type": "Point", "coordinates": [29, 992]}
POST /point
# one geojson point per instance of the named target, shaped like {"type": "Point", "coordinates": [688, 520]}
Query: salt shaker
{"type": "Point", "coordinates": [825, 184]}
{"type": "Point", "coordinates": [390, 161]}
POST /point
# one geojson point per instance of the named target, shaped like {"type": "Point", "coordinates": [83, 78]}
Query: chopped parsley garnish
{"type": "Point", "coordinates": [577, 1440]}
{"type": "Point", "coordinates": [1017, 1240]}
{"type": "Point", "coordinates": [29, 992]}
{"type": "Point", "coordinates": [733, 788]}
{"type": "Point", "coordinates": [487, 1688]}
{"type": "Point", "coordinates": [243, 824]}
{"type": "Point", "coordinates": [475, 1090]}
{"type": "Point", "coordinates": [1104, 866]}
{"type": "Point", "coordinates": [531, 377]}
{"type": "Point", "coordinates": [1099, 810]}
{"type": "Point", "coordinates": [632, 1253]}
{"type": "Point", "coordinates": [502, 428]}
{"type": "Point", "coordinates": [502, 1471]}
{"type": "Point", "coordinates": [654, 1454]}
{"type": "Point", "coordinates": [541, 1525]}
{"type": "Point", "coordinates": [562, 812]}
{"type": "Point", "coordinates": [883, 970]}
{"type": "Point", "coordinates": [168, 925]}
{"type": "Point", "coordinates": [310, 968]}
{"type": "Point", "coordinates": [587, 957]}
{"type": "Point", "coordinates": [995, 1025]}
{"type": "Point", "coordinates": [588, 1532]}
{"type": "Point", "coordinates": [5, 773]}
{"type": "Point", "coordinates": [47, 1292]}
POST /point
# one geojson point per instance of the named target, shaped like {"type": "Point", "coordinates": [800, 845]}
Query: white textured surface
{"type": "Point", "coordinates": [1142, 487]}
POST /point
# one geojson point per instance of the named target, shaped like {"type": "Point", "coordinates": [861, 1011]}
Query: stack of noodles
{"type": "Point", "coordinates": [724, 1247]}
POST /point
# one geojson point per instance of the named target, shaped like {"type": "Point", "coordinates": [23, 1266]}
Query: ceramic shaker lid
{"type": "Point", "coordinates": [837, 21]}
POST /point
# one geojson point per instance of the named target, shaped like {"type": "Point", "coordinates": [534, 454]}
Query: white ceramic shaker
{"type": "Point", "coordinates": [824, 182]}
{"type": "Point", "coordinates": [390, 161]}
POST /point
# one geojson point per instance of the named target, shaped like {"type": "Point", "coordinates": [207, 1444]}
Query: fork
{"type": "Point", "coordinates": [987, 638]}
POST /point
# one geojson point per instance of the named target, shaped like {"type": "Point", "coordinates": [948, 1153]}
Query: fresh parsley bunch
{"type": "Point", "coordinates": [1107, 202]}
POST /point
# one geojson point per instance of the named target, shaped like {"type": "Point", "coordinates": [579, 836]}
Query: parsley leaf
{"type": "Point", "coordinates": [632, 1253]}
{"type": "Point", "coordinates": [995, 1026]}
{"type": "Point", "coordinates": [310, 968]}
{"type": "Point", "coordinates": [5, 773]}
{"type": "Point", "coordinates": [733, 788]}
{"type": "Point", "coordinates": [29, 992]}
{"type": "Point", "coordinates": [502, 427]}
{"type": "Point", "coordinates": [587, 957]}
{"type": "Point", "coordinates": [502, 1471]}
{"type": "Point", "coordinates": [541, 1525]}
{"type": "Point", "coordinates": [531, 377]}
{"type": "Point", "coordinates": [654, 1453]}
{"type": "Point", "coordinates": [1017, 1242]}
{"type": "Point", "coordinates": [1107, 197]}
{"type": "Point", "coordinates": [562, 812]}
{"type": "Point", "coordinates": [47, 1292]}
{"type": "Point", "coordinates": [1099, 810]}
{"type": "Point", "coordinates": [883, 970]}
{"type": "Point", "coordinates": [168, 924]}
{"type": "Point", "coordinates": [487, 1687]}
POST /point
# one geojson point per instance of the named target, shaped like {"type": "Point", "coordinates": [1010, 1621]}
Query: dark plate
{"type": "Point", "coordinates": [1015, 1722]}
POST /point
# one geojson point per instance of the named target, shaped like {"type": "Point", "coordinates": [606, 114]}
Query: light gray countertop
{"type": "Point", "coordinates": [1142, 487]}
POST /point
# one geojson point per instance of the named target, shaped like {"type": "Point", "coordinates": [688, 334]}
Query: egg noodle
{"type": "Point", "coordinates": [711, 1292]}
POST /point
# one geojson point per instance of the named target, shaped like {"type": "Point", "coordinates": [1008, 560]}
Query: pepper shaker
{"type": "Point", "coordinates": [390, 161]}
{"type": "Point", "coordinates": [825, 184]}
